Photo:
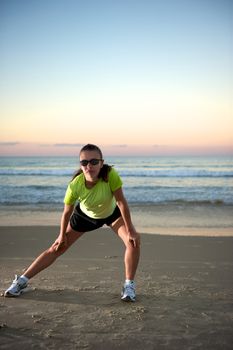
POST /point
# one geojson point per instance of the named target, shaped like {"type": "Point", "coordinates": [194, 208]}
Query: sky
{"type": "Point", "coordinates": [132, 76]}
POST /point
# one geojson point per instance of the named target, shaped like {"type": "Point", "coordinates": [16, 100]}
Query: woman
{"type": "Point", "coordinates": [98, 190]}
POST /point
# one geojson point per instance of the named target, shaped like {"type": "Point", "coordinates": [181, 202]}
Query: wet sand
{"type": "Point", "coordinates": [184, 293]}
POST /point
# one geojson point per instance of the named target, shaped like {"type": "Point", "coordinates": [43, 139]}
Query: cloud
{"type": "Point", "coordinates": [14, 143]}
{"type": "Point", "coordinates": [159, 146]}
{"type": "Point", "coordinates": [68, 144]}
{"type": "Point", "coordinates": [121, 145]}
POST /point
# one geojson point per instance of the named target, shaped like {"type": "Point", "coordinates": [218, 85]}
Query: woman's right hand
{"type": "Point", "coordinates": [60, 242]}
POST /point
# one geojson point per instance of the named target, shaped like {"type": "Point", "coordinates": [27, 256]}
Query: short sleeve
{"type": "Point", "coordinates": [70, 196]}
{"type": "Point", "coordinates": [114, 179]}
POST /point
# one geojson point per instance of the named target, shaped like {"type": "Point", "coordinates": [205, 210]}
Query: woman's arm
{"type": "Point", "coordinates": [125, 213]}
{"type": "Point", "coordinates": [67, 212]}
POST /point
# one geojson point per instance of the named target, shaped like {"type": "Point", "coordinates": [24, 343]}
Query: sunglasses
{"type": "Point", "coordinates": [93, 161]}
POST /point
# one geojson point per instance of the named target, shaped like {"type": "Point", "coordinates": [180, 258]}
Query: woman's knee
{"type": "Point", "coordinates": [133, 249]}
{"type": "Point", "coordinates": [54, 251]}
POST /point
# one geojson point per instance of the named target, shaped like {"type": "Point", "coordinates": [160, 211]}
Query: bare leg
{"type": "Point", "coordinates": [45, 259]}
{"type": "Point", "coordinates": [132, 254]}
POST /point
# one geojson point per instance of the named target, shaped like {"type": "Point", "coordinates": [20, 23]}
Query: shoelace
{"type": "Point", "coordinates": [129, 290]}
{"type": "Point", "coordinates": [17, 282]}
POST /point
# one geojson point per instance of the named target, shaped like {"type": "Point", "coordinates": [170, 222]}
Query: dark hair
{"type": "Point", "coordinates": [103, 174]}
{"type": "Point", "coordinates": [91, 147]}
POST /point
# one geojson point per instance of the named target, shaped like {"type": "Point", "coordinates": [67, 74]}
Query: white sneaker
{"type": "Point", "coordinates": [128, 292]}
{"type": "Point", "coordinates": [18, 285]}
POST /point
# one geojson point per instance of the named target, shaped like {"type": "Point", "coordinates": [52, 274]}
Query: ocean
{"type": "Point", "coordinates": [39, 183]}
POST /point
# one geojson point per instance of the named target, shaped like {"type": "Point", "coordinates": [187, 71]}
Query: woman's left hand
{"type": "Point", "coordinates": [134, 238]}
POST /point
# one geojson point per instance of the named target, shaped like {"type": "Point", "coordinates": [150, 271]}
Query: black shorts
{"type": "Point", "coordinates": [82, 223]}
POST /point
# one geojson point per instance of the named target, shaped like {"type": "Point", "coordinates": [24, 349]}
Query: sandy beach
{"type": "Point", "coordinates": [184, 293]}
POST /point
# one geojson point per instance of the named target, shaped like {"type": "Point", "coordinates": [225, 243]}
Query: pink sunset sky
{"type": "Point", "coordinates": [152, 79]}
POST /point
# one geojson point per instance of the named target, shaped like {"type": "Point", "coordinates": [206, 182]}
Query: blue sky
{"type": "Point", "coordinates": [80, 71]}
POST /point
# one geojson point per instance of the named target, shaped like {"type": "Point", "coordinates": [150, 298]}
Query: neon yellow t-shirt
{"type": "Point", "coordinates": [97, 202]}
